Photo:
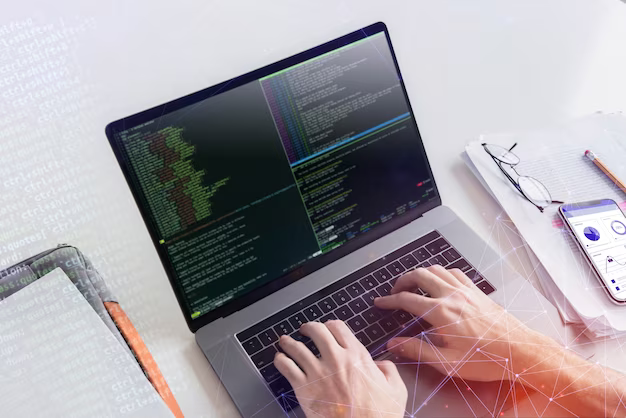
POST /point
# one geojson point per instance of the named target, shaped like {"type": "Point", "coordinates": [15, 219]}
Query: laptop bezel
{"type": "Point", "coordinates": [310, 266]}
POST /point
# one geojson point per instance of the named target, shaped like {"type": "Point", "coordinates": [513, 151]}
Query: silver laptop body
{"type": "Point", "coordinates": [322, 115]}
{"type": "Point", "coordinates": [432, 394]}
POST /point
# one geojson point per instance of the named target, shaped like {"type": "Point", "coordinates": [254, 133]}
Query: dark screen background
{"type": "Point", "coordinates": [262, 223]}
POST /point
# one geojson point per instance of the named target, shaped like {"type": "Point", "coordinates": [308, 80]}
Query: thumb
{"type": "Point", "coordinates": [389, 370]}
{"type": "Point", "coordinates": [418, 350]}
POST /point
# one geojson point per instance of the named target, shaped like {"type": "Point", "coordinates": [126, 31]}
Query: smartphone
{"type": "Point", "coordinates": [599, 228]}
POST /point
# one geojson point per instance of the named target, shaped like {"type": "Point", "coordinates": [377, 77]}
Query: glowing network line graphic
{"type": "Point", "coordinates": [516, 395]}
{"type": "Point", "coordinates": [514, 388]}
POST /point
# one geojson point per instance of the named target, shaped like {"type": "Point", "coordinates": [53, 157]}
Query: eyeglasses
{"type": "Point", "coordinates": [532, 189]}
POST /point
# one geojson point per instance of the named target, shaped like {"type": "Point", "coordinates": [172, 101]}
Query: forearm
{"type": "Point", "coordinates": [575, 384]}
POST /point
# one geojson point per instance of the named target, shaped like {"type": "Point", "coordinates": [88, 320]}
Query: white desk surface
{"type": "Point", "coordinates": [470, 68]}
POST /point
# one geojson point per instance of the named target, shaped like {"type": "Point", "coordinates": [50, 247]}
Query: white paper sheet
{"type": "Point", "coordinates": [58, 359]}
{"type": "Point", "coordinates": [555, 157]}
{"type": "Point", "coordinates": [549, 289]}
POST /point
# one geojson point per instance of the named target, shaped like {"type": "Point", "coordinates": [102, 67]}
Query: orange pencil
{"type": "Point", "coordinates": [590, 154]}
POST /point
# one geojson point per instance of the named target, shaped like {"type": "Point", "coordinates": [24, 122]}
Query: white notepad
{"type": "Point", "coordinates": [58, 359]}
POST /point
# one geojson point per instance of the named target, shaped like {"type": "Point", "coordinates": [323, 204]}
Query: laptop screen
{"type": "Point", "coordinates": [291, 168]}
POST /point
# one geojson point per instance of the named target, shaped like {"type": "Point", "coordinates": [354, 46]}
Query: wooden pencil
{"type": "Point", "coordinates": [592, 156]}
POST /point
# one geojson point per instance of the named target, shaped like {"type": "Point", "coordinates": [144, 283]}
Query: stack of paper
{"type": "Point", "coordinates": [555, 156]}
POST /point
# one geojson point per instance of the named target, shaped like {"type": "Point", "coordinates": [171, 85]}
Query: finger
{"type": "Point", "coordinates": [342, 334]}
{"type": "Point", "coordinates": [461, 277]}
{"type": "Point", "coordinates": [299, 353]}
{"type": "Point", "coordinates": [322, 337]}
{"type": "Point", "coordinates": [444, 274]}
{"type": "Point", "coordinates": [416, 349]}
{"type": "Point", "coordinates": [418, 305]}
{"type": "Point", "coordinates": [390, 371]}
{"type": "Point", "coordinates": [423, 279]}
{"type": "Point", "coordinates": [288, 368]}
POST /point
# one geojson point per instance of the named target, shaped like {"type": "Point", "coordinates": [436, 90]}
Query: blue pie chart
{"type": "Point", "coordinates": [591, 233]}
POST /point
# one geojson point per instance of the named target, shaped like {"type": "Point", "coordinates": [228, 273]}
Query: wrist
{"type": "Point", "coordinates": [529, 350]}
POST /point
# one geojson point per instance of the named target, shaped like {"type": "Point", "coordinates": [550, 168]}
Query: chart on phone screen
{"type": "Point", "coordinates": [604, 237]}
{"type": "Point", "coordinates": [612, 261]}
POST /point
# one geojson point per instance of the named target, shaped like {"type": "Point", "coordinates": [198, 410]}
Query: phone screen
{"type": "Point", "coordinates": [600, 228]}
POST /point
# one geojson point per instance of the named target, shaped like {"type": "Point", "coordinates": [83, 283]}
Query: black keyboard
{"type": "Point", "coordinates": [351, 299]}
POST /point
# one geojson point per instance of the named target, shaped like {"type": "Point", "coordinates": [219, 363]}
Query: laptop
{"type": "Point", "coordinates": [300, 192]}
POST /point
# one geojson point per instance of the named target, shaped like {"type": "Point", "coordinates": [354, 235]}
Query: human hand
{"type": "Point", "coordinates": [344, 381]}
{"type": "Point", "coordinates": [471, 336]}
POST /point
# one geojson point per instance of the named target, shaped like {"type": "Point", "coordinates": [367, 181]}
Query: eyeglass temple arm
{"type": "Point", "coordinates": [514, 145]}
{"type": "Point", "coordinates": [507, 175]}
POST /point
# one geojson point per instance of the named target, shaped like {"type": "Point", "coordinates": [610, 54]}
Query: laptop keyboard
{"type": "Point", "coordinates": [351, 299]}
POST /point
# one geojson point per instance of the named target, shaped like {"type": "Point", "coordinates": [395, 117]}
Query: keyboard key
{"type": "Point", "coordinates": [370, 296]}
{"type": "Point", "coordinates": [425, 264]}
{"type": "Point", "coordinates": [384, 289]}
{"type": "Point", "coordinates": [382, 275]}
{"type": "Point", "coordinates": [288, 402]}
{"type": "Point", "coordinates": [374, 332]}
{"type": "Point", "coordinates": [368, 282]}
{"type": "Point", "coordinates": [341, 297]}
{"type": "Point", "coordinates": [265, 357]}
{"type": "Point", "coordinates": [283, 328]}
{"type": "Point", "coordinates": [388, 324]}
{"type": "Point", "coordinates": [278, 347]}
{"type": "Point", "coordinates": [402, 317]}
{"type": "Point", "coordinates": [268, 337]}
{"type": "Point", "coordinates": [421, 254]}
{"type": "Point", "coordinates": [438, 259]}
{"type": "Point", "coordinates": [270, 373]}
{"type": "Point", "coordinates": [414, 328]}
{"type": "Point", "coordinates": [460, 264]}
{"type": "Point", "coordinates": [474, 276]}
{"type": "Point", "coordinates": [357, 323]}
{"type": "Point", "coordinates": [357, 305]}
{"type": "Point", "coordinates": [485, 286]}
{"type": "Point", "coordinates": [451, 255]}
{"type": "Point", "coordinates": [327, 305]}
{"type": "Point", "coordinates": [299, 337]}
{"type": "Point", "coordinates": [437, 246]}
{"type": "Point", "coordinates": [312, 312]}
{"type": "Point", "coordinates": [408, 261]}
{"type": "Point", "coordinates": [252, 345]}
{"type": "Point", "coordinates": [286, 398]}
{"type": "Point", "coordinates": [281, 387]}
{"type": "Point", "coordinates": [297, 320]}
{"type": "Point", "coordinates": [343, 312]}
{"type": "Point", "coordinates": [355, 290]}
{"type": "Point", "coordinates": [372, 315]}
{"type": "Point", "coordinates": [328, 317]}
{"type": "Point", "coordinates": [311, 346]}
{"type": "Point", "coordinates": [363, 339]}
{"type": "Point", "coordinates": [395, 268]}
